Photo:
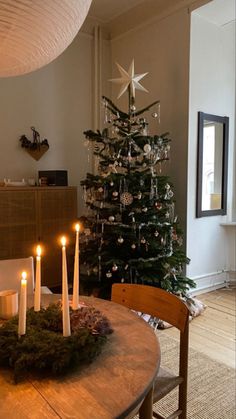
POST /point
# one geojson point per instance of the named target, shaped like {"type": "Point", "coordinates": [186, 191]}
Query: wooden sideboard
{"type": "Point", "coordinates": [32, 214]}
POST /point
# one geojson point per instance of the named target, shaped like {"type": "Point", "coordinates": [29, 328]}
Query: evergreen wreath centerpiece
{"type": "Point", "coordinates": [131, 232]}
{"type": "Point", "coordinates": [44, 348]}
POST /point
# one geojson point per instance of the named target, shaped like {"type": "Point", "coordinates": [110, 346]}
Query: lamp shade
{"type": "Point", "coordinates": [35, 32]}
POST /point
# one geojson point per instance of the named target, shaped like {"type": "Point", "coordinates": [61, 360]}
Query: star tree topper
{"type": "Point", "coordinates": [128, 78]}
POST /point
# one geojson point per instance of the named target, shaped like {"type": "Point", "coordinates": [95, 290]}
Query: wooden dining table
{"type": "Point", "coordinates": [114, 385]}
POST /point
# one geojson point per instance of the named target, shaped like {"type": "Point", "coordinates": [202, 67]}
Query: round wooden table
{"type": "Point", "coordinates": [112, 386]}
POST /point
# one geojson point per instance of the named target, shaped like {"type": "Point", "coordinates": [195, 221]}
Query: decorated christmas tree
{"type": "Point", "coordinates": [130, 231]}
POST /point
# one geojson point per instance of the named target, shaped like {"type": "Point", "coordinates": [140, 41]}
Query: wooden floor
{"type": "Point", "coordinates": [214, 332]}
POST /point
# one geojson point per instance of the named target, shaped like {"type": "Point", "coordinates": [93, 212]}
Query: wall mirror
{"type": "Point", "coordinates": [212, 164]}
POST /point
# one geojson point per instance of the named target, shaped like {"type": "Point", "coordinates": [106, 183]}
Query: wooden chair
{"type": "Point", "coordinates": [10, 274]}
{"type": "Point", "coordinates": [167, 307]}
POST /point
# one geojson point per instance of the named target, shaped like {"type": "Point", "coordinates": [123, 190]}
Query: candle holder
{"type": "Point", "coordinates": [8, 304]}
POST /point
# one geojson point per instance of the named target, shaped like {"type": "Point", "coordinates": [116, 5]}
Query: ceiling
{"type": "Point", "coordinates": [107, 10]}
{"type": "Point", "coordinates": [219, 12]}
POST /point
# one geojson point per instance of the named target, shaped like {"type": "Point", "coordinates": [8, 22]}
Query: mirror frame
{"type": "Point", "coordinates": [225, 121]}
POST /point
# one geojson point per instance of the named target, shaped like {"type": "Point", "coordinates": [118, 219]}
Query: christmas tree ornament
{"type": "Point", "coordinates": [156, 234]}
{"type": "Point", "coordinates": [143, 240]}
{"type": "Point", "coordinates": [111, 218]}
{"type": "Point", "coordinates": [126, 198]}
{"type": "Point", "coordinates": [122, 280]}
{"type": "Point", "coordinates": [100, 190]}
{"type": "Point", "coordinates": [86, 143]}
{"type": "Point", "coordinates": [133, 108]}
{"type": "Point", "coordinates": [147, 148]}
{"type": "Point", "coordinates": [109, 274]}
{"type": "Point", "coordinates": [115, 193]}
{"type": "Point", "coordinates": [144, 209]}
{"type": "Point", "coordinates": [87, 231]}
{"type": "Point", "coordinates": [139, 196]}
{"type": "Point", "coordinates": [120, 240]}
{"type": "Point", "coordinates": [158, 205]}
{"type": "Point", "coordinates": [111, 183]}
{"type": "Point", "coordinates": [129, 79]}
{"type": "Point", "coordinates": [114, 267]}
{"type": "Point", "coordinates": [155, 115]}
{"type": "Point", "coordinates": [133, 246]}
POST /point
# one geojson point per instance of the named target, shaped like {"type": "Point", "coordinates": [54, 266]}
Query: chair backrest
{"type": "Point", "coordinates": [153, 301]}
{"type": "Point", "coordinates": [10, 273]}
{"type": "Point", "coordinates": [167, 307]}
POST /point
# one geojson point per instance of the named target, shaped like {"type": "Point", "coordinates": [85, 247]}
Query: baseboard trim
{"type": "Point", "coordinates": [213, 281]}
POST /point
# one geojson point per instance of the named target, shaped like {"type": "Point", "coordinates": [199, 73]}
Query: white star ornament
{"type": "Point", "coordinates": [128, 78]}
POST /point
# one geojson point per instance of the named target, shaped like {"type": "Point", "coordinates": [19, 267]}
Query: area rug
{"type": "Point", "coordinates": [211, 385]}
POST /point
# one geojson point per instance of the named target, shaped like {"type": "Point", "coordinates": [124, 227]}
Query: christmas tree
{"type": "Point", "coordinates": [130, 232]}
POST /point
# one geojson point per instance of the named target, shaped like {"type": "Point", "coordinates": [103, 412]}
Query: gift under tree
{"type": "Point", "coordinates": [130, 231]}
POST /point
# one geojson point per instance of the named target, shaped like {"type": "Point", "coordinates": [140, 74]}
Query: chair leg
{"type": "Point", "coordinates": [145, 411]}
{"type": "Point", "coordinates": [183, 400]}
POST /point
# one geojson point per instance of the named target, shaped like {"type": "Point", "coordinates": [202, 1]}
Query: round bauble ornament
{"type": "Point", "coordinates": [156, 234]}
{"type": "Point", "coordinates": [115, 193]}
{"type": "Point", "coordinates": [86, 143]}
{"type": "Point", "coordinates": [122, 280]}
{"type": "Point", "coordinates": [114, 267]}
{"type": "Point", "coordinates": [144, 209]}
{"type": "Point", "coordinates": [120, 240]}
{"type": "Point", "coordinates": [100, 189]}
{"type": "Point", "coordinates": [96, 148]}
{"type": "Point", "coordinates": [109, 274]}
{"type": "Point", "coordinates": [111, 218]}
{"type": "Point", "coordinates": [111, 183]}
{"type": "Point", "coordinates": [147, 148]}
{"type": "Point", "coordinates": [154, 114]}
{"type": "Point", "coordinates": [143, 240]}
{"type": "Point", "coordinates": [133, 246]}
{"type": "Point", "coordinates": [126, 198]}
{"type": "Point", "coordinates": [133, 108]}
{"type": "Point", "coordinates": [144, 164]}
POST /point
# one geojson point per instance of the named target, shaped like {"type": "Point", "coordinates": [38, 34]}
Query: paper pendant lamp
{"type": "Point", "coordinates": [35, 32]}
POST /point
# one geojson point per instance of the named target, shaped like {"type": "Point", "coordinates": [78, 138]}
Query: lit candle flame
{"type": "Point", "coordinates": [63, 241]}
{"type": "Point", "coordinates": [23, 278]}
{"type": "Point", "coordinates": [77, 227]}
{"type": "Point", "coordinates": [38, 250]}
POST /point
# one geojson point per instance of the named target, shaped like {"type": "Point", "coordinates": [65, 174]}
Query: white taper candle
{"type": "Point", "coordinates": [23, 304]}
{"type": "Point", "coordinates": [65, 297]}
{"type": "Point", "coordinates": [37, 291]}
{"type": "Point", "coordinates": [75, 301]}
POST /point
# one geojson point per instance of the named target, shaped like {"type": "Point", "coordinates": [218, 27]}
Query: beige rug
{"type": "Point", "coordinates": [211, 385]}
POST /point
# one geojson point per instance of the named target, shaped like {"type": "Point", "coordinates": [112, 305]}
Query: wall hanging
{"type": "Point", "coordinates": [35, 148]}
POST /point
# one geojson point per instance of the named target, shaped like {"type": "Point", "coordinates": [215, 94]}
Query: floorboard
{"type": "Point", "coordinates": [214, 332]}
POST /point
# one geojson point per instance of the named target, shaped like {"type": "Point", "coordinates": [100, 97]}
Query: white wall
{"type": "Point", "coordinates": [212, 90]}
{"type": "Point", "coordinates": [57, 100]}
{"type": "Point", "coordinates": [161, 47]}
